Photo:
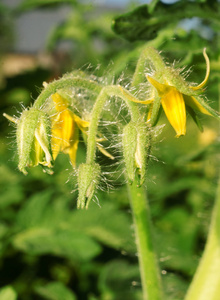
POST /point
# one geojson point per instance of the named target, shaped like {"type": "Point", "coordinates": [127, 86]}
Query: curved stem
{"type": "Point", "coordinates": [76, 82]}
{"type": "Point", "coordinates": [206, 282]}
{"type": "Point", "coordinates": [152, 55]}
{"type": "Point", "coordinates": [150, 277]}
{"type": "Point", "coordinates": [106, 92]}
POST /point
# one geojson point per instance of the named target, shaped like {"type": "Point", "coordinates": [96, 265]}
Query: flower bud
{"type": "Point", "coordinates": [129, 143]}
{"type": "Point", "coordinates": [88, 179]}
{"type": "Point", "coordinates": [33, 140]}
{"type": "Point", "coordinates": [135, 150]}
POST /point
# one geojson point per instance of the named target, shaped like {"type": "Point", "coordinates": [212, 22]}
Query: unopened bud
{"type": "Point", "coordinates": [33, 140]}
{"type": "Point", "coordinates": [88, 179]}
{"type": "Point", "coordinates": [135, 150]}
{"type": "Point", "coordinates": [129, 143]}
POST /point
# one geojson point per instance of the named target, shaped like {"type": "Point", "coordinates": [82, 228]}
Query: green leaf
{"type": "Point", "coordinates": [8, 293]}
{"type": "Point", "coordinates": [175, 286]}
{"type": "Point", "coordinates": [10, 194]}
{"type": "Point", "coordinates": [55, 291]}
{"type": "Point", "coordinates": [178, 231]}
{"type": "Point", "coordinates": [32, 213]}
{"type": "Point", "coordinates": [33, 4]}
{"type": "Point", "coordinates": [44, 211]}
{"type": "Point", "coordinates": [116, 280]}
{"type": "Point", "coordinates": [144, 22]}
{"type": "Point", "coordinates": [60, 242]}
{"type": "Point", "coordinates": [107, 224]}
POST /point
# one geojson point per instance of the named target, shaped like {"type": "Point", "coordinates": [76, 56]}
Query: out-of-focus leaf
{"type": "Point", "coordinates": [143, 24]}
{"type": "Point", "coordinates": [33, 4]}
{"type": "Point", "coordinates": [183, 184]}
{"type": "Point", "coordinates": [177, 231]}
{"type": "Point", "coordinates": [120, 280]}
{"type": "Point", "coordinates": [43, 211]}
{"type": "Point", "coordinates": [17, 95]}
{"type": "Point", "coordinates": [10, 194]}
{"type": "Point", "coordinates": [8, 293]}
{"type": "Point", "coordinates": [107, 224]}
{"type": "Point", "coordinates": [64, 243]}
{"type": "Point", "coordinates": [175, 287]}
{"type": "Point", "coordinates": [34, 209]}
{"type": "Point", "coordinates": [55, 291]}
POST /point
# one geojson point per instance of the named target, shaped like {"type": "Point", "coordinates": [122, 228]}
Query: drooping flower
{"type": "Point", "coordinates": [65, 130]}
{"type": "Point", "coordinates": [177, 97]}
{"type": "Point", "coordinates": [171, 90]}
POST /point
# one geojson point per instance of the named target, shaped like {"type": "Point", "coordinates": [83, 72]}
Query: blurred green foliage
{"type": "Point", "coordinates": [50, 250]}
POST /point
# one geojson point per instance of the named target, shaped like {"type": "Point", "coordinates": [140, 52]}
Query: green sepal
{"type": "Point", "coordinates": [205, 105]}
{"type": "Point", "coordinates": [194, 117]}
{"type": "Point", "coordinates": [33, 139]}
{"type": "Point", "coordinates": [88, 179]}
{"type": "Point", "coordinates": [129, 144]}
{"type": "Point", "coordinates": [135, 150]}
{"type": "Point", "coordinates": [155, 111]}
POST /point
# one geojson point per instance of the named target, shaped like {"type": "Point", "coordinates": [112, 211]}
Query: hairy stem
{"type": "Point", "coordinates": [151, 55]}
{"type": "Point", "coordinates": [150, 276]}
{"type": "Point", "coordinates": [108, 91]}
{"type": "Point", "coordinates": [75, 82]}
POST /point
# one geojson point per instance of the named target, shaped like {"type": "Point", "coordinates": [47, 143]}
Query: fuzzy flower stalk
{"type": "Point", "coordinates": [52, 126]}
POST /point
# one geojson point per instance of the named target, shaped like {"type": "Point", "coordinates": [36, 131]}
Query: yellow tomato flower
{"type": "Point", "coordinates": [175, 100]}
{"type": "Point", "coordinates": [173, 105]}
{"type": "Point", "coordinates": [65, 129]}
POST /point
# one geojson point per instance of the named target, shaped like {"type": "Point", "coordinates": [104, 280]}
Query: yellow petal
{"type": "Point", "coordinates": [63, 131]}
{"type": "Point", "coordinates": [174, 108]}
{"type": "Point", "coordinates": [68, 127]}
{"type": "Point", "coordinates": [72, 151]}
{"type": "Point", "coordinates": [192, 102]}
{"type": "Point", "coordinates": [105, 152]}
{"type": "Point", "coordinates": [60, 102]}
{"type": "Point", "coordinates": [81, 123]}
{"type": "Point", "coordinates": [161, 88]}
{"type": "Point", "coordinates": [43, 146]}
{"type": "Point", "coordinates": [130, 97]}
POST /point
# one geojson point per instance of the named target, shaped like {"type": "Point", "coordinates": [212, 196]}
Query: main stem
{"type": "Point", "coordinates": [149, 269]}
{"type": "Point", "coordinates": [206, 282]}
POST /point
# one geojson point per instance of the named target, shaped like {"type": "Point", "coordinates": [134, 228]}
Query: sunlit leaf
{"type": "Point", "coordinates": [8, 293]}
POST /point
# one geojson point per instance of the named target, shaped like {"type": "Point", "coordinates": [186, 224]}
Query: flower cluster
{"type": "Point", "coordinates": [42, 135]}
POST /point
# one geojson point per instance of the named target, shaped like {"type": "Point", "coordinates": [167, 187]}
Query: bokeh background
{"type": "Point", "coordinates": [50, 250]}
